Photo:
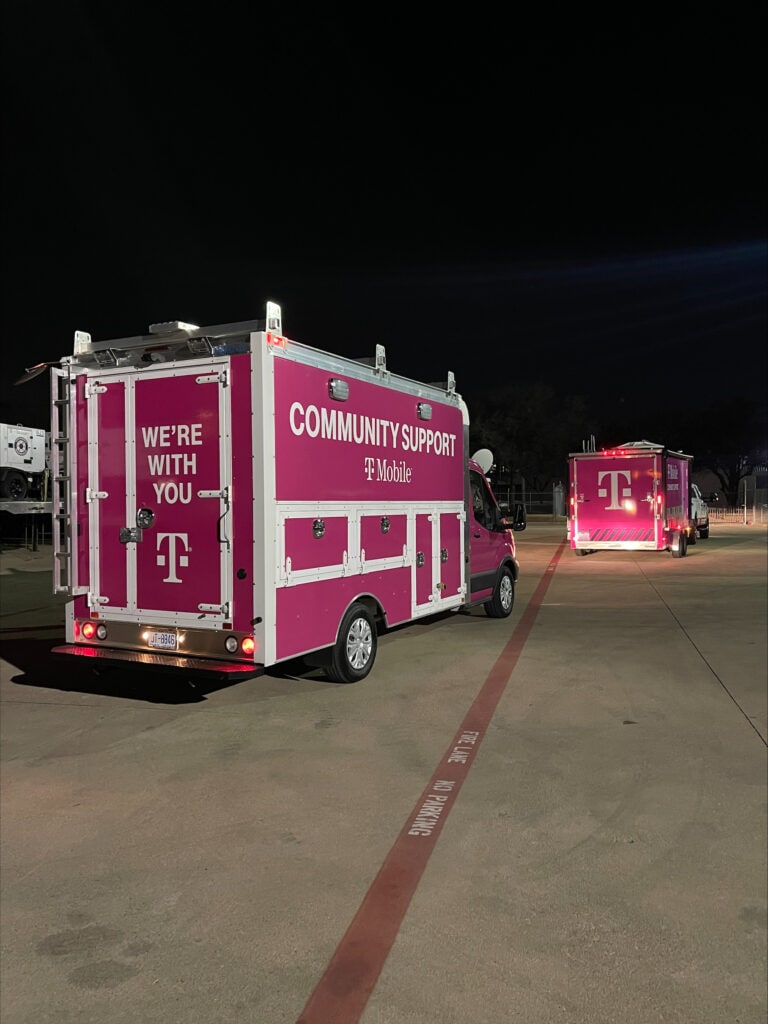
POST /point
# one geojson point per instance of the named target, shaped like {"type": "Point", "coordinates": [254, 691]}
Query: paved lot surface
{"type": "Point", "coordinates": [176, 854]}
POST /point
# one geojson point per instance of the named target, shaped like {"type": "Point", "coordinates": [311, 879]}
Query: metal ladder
{"type": "Point", "coordinates": [62, 383]}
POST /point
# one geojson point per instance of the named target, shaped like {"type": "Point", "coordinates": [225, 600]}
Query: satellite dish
{"type": "Point", "coordinates": [484, 458]}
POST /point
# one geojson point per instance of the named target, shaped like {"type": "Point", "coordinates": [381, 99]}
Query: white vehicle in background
{"type": "Point", "coordinates": [698, 515]}
{"type": "Point", "coordinates": [23, 462]}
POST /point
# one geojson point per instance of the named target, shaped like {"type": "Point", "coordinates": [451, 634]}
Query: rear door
{"type": "Point", "coordinates": [159, 495]}
{"type": "Point", "coordinates": [615, 501]}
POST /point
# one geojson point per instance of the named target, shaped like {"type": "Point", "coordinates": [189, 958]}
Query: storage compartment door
{"type": "Point", "coordinates": [423, 567]}
{"type": "Point", "coordinates": [451, 558]}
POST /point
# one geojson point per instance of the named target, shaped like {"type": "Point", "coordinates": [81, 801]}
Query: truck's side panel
{"type": "Point", "coordinates": [676, 493]}
{"type": "Point", "coordinates": [370, 447]}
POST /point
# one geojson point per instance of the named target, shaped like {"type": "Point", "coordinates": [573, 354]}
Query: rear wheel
{"type": "Point", "coordinates": [680, 549]}
{"type": "Point", "coordinates": [355, 649]}
{"type": "Point", "coordinates": [502, 602]}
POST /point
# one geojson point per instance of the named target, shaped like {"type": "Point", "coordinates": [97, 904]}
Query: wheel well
{"type": "Point", "coordinates": [513, 568]}
{"type": "Point", "coordinates": [373, 606]}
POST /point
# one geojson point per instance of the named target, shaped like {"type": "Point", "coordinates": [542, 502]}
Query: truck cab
{"type": "Point", "coordinates": [698, 515]}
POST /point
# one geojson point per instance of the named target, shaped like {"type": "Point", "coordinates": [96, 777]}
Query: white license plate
{"type": "Point", "coordinates": [166, 641]}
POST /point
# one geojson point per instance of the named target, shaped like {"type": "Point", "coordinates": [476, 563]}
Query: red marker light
{"type": "Point", "coordinates": [248, 645]}
{"type": "Point", "coordinates": [89, 630]}
{"type": "Point", "coordinates": [276, 341]}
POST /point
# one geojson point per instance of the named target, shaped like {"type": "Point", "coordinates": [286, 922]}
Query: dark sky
{"type": "Point", "coordinates": [501, 202]}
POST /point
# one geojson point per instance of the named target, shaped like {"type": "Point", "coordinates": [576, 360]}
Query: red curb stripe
{"type": "Point", "coordinates": [343, 991]}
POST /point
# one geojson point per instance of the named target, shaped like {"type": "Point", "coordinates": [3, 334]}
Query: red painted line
{"type": "Point", "coordinates": [343, 991]}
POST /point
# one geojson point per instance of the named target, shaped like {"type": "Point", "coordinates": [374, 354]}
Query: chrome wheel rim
{"type": "Point", "coordinates": [359, 643]}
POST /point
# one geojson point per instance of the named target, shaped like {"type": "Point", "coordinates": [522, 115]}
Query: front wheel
{"type": "Point", "coordinates": [704, 531]}
{"type": "Point", "coordinates": [500, 605]}
{"type": "Point", "coordinates": [355, 649]}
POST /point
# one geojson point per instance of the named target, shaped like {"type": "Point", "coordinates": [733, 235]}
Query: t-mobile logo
{"type": "Point", "coordinates": [614, 474]}
{"type": "Point", "coordinates": [174, 561]}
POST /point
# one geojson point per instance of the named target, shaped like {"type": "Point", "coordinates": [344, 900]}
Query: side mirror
{"type": "Point", "coordinates": [518, 520]}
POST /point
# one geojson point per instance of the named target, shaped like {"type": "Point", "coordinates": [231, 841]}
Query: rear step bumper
{"type": "Point", "coordinates": [206, 667]}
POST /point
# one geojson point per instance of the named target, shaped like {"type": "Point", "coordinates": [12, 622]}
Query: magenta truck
{"type": "Point", "coordinates": [636, 497]}
{"type": "Point", "coordinates": [227, 499]}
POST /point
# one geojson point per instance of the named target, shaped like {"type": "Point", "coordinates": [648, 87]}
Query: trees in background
{"type": "Point", "coordinates": [531, 430]}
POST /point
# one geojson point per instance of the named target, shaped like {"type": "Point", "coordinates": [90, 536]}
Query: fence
{"type": "Point", "coordinates": [744, 514]}
{"type": "Point", "coordinates": [543, 503]}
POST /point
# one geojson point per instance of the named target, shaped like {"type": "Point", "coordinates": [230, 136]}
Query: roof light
{"type": "Point", "coordinates": [338, 389]}
{"type": "Point", "coordinates": [424, 411]}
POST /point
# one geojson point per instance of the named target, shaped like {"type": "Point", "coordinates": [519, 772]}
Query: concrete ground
{"type": "Point", "coordinates": [589, 775]}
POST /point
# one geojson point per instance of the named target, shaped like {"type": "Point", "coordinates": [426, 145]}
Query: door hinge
{"type": "Point", "coordinates": [217, 609]}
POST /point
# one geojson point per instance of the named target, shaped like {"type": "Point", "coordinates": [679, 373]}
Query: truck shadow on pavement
{"type": "Point", "coordinates": [37, 667]}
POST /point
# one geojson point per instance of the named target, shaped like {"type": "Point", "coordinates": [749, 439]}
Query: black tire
{"type": "Point", "coordinates": [354, 652]}
{"type": "Point", "coordinates": [580, 551]}
{"type": "Point", "coordinates": [503, 600]}
{"type": "Point", "coordinates": [692, 536]}
{"type": "Point", "coordinates": [704, 531]}
{"type": "Point", "coordinates": [681, 550]}
{"type": "Point", "coordinates": [14, 486]}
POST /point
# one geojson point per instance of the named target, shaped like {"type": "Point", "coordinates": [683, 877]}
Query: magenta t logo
{"type": "Point", "coordinates": [614, 474]}
{"type": "Point", "coordinates": [173, 561]}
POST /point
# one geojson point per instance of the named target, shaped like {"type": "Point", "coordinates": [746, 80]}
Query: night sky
{"type": "Point", "coordinates": [464, 197]}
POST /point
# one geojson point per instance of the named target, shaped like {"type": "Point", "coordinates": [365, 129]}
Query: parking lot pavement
{"type": "Point", "coordinates": [177, 853]}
